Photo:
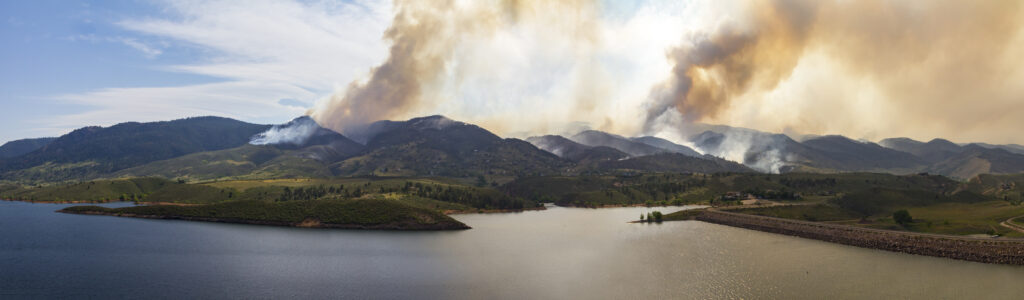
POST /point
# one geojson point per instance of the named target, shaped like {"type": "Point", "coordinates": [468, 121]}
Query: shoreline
{"type": "Point", "coordinates": [983, 250]}
{"type": "Point", "coordinates": [446, 212]}
{"type": "Point", "coordinates": [304, 224]}
{"type": "Point", "coordinates": [491, 211]}
{"type": "Point", "coordinates": [66, 202]}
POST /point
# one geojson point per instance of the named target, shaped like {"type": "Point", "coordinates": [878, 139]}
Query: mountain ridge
{"type": "Point", "coordinates": [23, 146]}
{"type": "Point", "coordinates": [209, 148]}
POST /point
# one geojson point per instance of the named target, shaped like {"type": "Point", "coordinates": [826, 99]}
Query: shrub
{"type": "Point", "coordinates": [902, 217]}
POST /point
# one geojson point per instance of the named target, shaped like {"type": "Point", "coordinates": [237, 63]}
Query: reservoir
{"type": "Point", "coordinates": [573, 253]}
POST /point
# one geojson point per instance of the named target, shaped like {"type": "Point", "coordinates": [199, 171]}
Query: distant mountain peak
{"type": "Point", "coordinates": [900, 143]}
{"type": "Point", "coordinates": [433, 122]}
{"type": "Point", "coordinates": [595, 138]}
{"type": "Point", "coordinates": [943, 143]}
{"type": "Point", "coordinates": [302, 119]}
{"type": "Point", "coordinates": [593, 132]}
{"type": "Point", "coordinates": [833, 137]}
{"type": "Point", "coordinates": [667, 145]}
{"type": "Point", "coordinates": [566, 148]}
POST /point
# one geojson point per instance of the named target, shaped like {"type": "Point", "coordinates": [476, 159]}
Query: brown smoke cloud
{"type": "Point", "coordinates": [939, 68]}
{"type": "Point", "coordinates": [866, 69]}
{"type": "Point", "coordinates": [425, 36]}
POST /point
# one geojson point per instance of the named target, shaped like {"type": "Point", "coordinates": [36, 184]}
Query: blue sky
{"type": "Point", "coordinates": [68, 64]}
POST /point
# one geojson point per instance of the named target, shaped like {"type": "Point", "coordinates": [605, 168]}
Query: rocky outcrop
{"type": "Point", "coordinates": [998, 251]}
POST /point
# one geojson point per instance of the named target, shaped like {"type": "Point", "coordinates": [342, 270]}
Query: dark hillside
{"type": "Point", "coordinates": [22, 147]}
{"type": "Point", "coordinates": [96, 150]}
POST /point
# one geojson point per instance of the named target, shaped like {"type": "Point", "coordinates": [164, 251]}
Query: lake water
{"type": "Point", "coordinates": [556, 253]}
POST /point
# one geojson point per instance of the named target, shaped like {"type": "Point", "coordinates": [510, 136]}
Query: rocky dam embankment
{"type": "Point", "coordinates": [998, 251]}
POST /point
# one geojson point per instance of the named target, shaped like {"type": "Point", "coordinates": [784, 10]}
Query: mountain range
{"type": "Point", "coordinates": [833, 153]}
{"type": "Point", "coordinates": [213, 148]}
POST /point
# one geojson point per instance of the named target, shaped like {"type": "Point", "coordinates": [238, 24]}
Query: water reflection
{"type": "Point", "coordinates": [557, 253]}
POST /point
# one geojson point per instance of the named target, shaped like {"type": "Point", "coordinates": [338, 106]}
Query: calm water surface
{"type": "Point", "coordinates": [557, 253]}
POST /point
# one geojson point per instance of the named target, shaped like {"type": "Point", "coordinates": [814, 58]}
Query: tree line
{"type": "Point", "coordinates": [473, 197]}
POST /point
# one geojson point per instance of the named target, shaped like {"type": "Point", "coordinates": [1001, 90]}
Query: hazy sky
{"type": "Point", "coordinates": [865, 69]}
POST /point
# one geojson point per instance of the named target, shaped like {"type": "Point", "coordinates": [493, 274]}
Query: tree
{"type": "Point", "coordinates": [650, 217]}
{"type": "Point", "coordinates": [641, 217]}
{"type": "Point", "coordinates": [902, 217]}
{"type": "Point", "coordinates": [657, 216]}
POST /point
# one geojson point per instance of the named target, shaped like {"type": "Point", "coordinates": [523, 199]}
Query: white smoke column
{"type": "Point", "coordinates": [541, 143]}
{"type": "Point", "coordinates": [296, 132]}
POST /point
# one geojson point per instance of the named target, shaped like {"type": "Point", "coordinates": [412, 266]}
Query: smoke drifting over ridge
{"type": "Point", "coordinates": [922, 64]}
{"type": "Point", "coordinates": [866, 69]}
{"type": "Point", "coordinates": [427, 38]}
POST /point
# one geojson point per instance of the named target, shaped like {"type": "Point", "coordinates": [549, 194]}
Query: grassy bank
{"type": "Point", "coordinates": [938, 218]}
{"type": "Point", "coordinates": [378, 213]}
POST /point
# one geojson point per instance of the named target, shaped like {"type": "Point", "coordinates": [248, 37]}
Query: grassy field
{"type": "Point", "coordinates": [380, 213]}
{"type": "Point", "coordinates": [961, 218]}
{"type": "Point", "coordinates": [814, 213]}
{"type": "Point", "coordinates": [937, 204]}
{"type": "Point", "coordinates": [940, 218]}
{"type": "Point", "coordinates": [374, 182]}
{"type": "Point", "coordinates": [426, 203]}
{"type": "Point", "coordinates": [135, 189]}
{"type": "Point", "coordinates": [683, 215]}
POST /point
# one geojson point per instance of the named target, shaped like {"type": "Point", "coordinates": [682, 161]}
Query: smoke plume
{"type": "Point", "coordinates": [296, 132]}
{"type": "Point", "coordinates": [863, 68]}
{"type": "Point", "coordinates": [427, 39]}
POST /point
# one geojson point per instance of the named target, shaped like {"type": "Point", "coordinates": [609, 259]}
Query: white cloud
{"type": "Point", "coordinates": [148, 51]}
{"type": "Point", "coordinates": [249, 100]}
{"type": "Point", "coordinates": [263, 50]}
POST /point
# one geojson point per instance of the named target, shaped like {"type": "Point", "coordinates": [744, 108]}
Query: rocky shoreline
{"type": "Point", "coordinates": [996, 251]}
{"type": "Point", "coordinates": [405, 226]}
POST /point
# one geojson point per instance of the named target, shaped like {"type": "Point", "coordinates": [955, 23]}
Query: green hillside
{"type": "Point", "coordinates": [245, 162]}
{"type": "Point", "coordinates": [438, 146]}
{"type": "Point", "coordinates": [91, 152]}
{"type": "Point", "coordinates": [674, 163]}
